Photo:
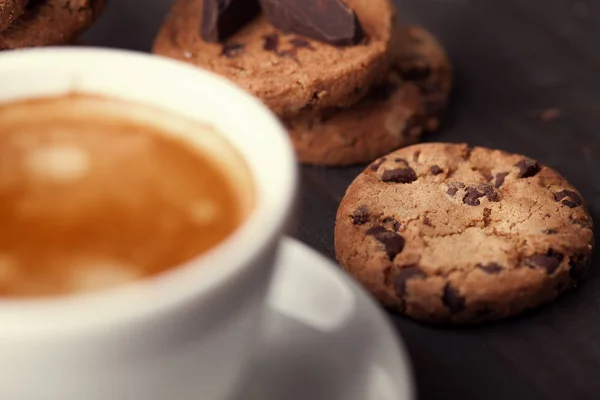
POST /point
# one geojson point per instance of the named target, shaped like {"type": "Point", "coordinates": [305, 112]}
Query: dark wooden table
{"type": "Point", "coordinates": [513, 58]}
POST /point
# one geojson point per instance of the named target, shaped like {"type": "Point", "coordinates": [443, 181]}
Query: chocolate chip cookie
{"type": "Point", "coordinates": [393, 114]}
{"type": "Point", "coordinates": [51, 22]}
{"type": "Point", "coordinates": [287, 71]}
{"type": "Point", "coordinates": [444, 233]}
{"type": "Point", "coordinates": [10, 10]}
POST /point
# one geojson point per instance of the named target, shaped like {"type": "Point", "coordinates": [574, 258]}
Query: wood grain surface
{"type": "Point", "coordinates": [528, 81]}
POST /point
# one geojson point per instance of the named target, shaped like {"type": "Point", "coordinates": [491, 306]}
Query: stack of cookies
{"type": "Point", "coordinates": [34, 23]}
{"type": "Point", "coordinates": [348, 82]}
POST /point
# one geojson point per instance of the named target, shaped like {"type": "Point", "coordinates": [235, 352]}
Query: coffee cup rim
{"type": "Point", "coordinates": [85, 69]}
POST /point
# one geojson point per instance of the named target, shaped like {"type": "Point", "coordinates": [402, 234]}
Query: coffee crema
{"type": "Point", "coordinates": [96, 192]}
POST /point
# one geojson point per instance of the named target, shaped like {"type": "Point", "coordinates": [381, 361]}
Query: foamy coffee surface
{"type": "Point", "coordinates": [94, 193]}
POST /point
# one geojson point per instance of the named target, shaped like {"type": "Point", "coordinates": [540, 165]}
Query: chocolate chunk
{"type": "Point", "coordinates": [500, 179]}
{"type": "Point", "coordinates": [272, 42]}
{"type": "Point", "coordinates": [406, 274]}
{"type": "Point", "coordinates": [223, 18]}
{"type": "Point", "coordinates": [436, 170]}
{"type": "Point", "coordinates": [491, 268]}
{"type": "Point", "coordinates": [389, 220]}
{"type": "Point", "coordinates": [400, 175]}
{"type": "Point", "coordinates": [528, 168]}
{"type": "Point", "coordinates": [475, 192]}
{"type": "Point", "coordinates": [377, 163]}
{"type": "Point", "coordinates": [360, 216]}
{"type": "Point", "coordinates": [453, 188]}
{"type": "Point", "coordinates": [472, 197]}
{"type": "Point", "coordinates": [393, 243]}
{"type": "Point", "coordinates": [329, 21]}
{"type": "Point", "coordinates": [231, 50]}
{"type": "Point", "coordinates": [549, 261]}
{"type": "Point", "coordinates": [300, 43]}
{"type": "Point", "coordinates": [453, 300]}
{"type": "Point", "coordinates": [383, 91]}
{"type": "Point", "coordinates": [571, 199]}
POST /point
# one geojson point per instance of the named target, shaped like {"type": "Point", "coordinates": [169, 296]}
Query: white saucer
{"type": "Point", "coordinates": [324, 338]}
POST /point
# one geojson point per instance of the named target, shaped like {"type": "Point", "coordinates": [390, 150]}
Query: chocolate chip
{"type": "Point", "coordinates": [231, 50]}
{"type": "Point", "coordinates": [582, 222]}
{"type": "Point", "coordinates": [375, 166]}
{"type": "Point", "coordinates": [472, 197]}
{"type": "Point", "coordinates": [406, 274]}
{"type": "Point", "coordinates": [549, 231]}
{"type": "Point", "coordinates": [528, 168]}
{"type": "Point", "coordinates": [475, 192]}
{"type": "Point", "coordinates": [301, 43]}
{"type": "Point", "coordinates": [453, 300]}
{"type": "Point", "coordinates": [487, 213]}
{"type": "Point", "coordinates": [383, 91]}
{"type": "Point", "coordinates": [416, 73]}
{"type": "Point", "coordinates": [360, 216]}
{"type": "Point", "coordinates": [453, 188]}
{"type": "Point", "coordinates": [329, 21]}
{"type": "Point", "coordinates": [500, 177]}
{"type": "Point", "coordinates": [400, 175]}
{"type": "Point", "coordinates": [570, 204]}
{"type": "Point", "coordinates": [395, 224]}
{"type": "Point", "coordinates": [416, 155]}
{"type": "Point", "coordinates": [272, 42]}
{"type": "Point", "coordinates": [571, 199]}
{"type": "Point", "coordinates": [549, 261]}
{"type": "Point", "coordinates": [223, 18]}
{"type": "Point", "coordinates": [393, 243]}
{"type": "Point", "coordinates": [491, 268]}
{"type": "Point", "coordinates": [436, 170]}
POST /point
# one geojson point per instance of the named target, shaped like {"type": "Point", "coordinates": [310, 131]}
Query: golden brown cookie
{"type": "Point", "coordinates": [394, 113]}
{"type": "Point", "coordinates": [51, 22]}
{"type": "Point", "coordinates": [288, 72]}
{"type": "Point", "coordinates": [448, 234]}
{"type": "Point", "coordinates": [10, 10]}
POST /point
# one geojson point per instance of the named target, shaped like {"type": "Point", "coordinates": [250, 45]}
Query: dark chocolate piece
{"type": "Point", "coordinates": [400, 175]}
{"type": "Point", "coordinates": [329, 21]}
{"type": "Point", "coordinates": [549, 261]}
{"type": "Point", "coordinates": [452, 299]}
{"type": "Point", "coordinates": [391, 241]}
{"type": "Point", "coordinates": [360, 216]}
{"type": "Point", "coordinates": [491, 268]}
{"type": "Point", "coordinates": [223, 18]}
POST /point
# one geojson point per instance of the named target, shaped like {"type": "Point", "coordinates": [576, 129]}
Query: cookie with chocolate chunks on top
{"type": "Point", "coordinates": [10, 10]}
{"type": "Point", "coordinates": [395, 113]}
{"type": "Point", "coordinates": [51, 23]}
{"type": "Point", "coordinates": [287, 71]}
{"type": "Point", "coordinates": [445, 233]}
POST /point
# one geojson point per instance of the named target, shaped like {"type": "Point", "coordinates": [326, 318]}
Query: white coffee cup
{"type": "Point", "coordinates": [187, 334]}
